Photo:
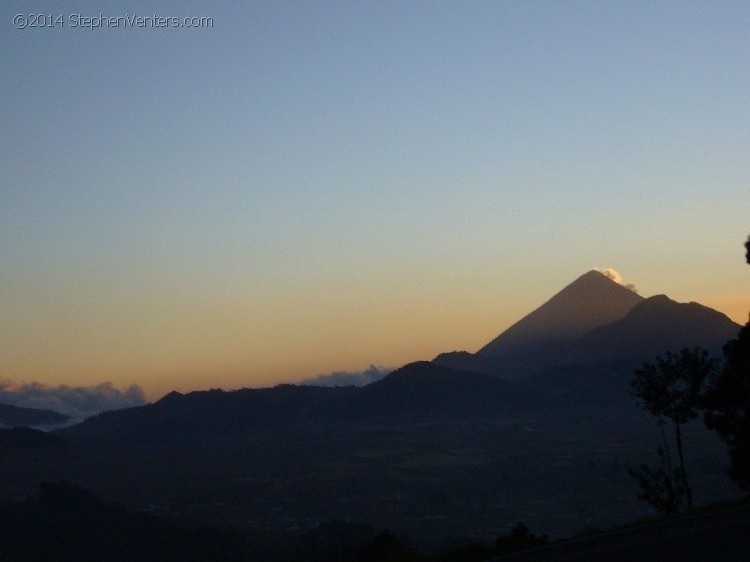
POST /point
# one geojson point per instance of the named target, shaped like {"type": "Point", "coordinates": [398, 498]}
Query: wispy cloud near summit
{"type": "Point", "coordinates": [615, 275]}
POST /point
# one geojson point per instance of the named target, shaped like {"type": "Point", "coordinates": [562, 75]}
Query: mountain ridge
{"type": "Point", "coordinates": [650, 327]}
{"type": "Point", "coordinates": [419, 391]}
{"type": "Point", "coordinates": [592, 300]}
{"type": "Point", "coordinates": [14, 416]}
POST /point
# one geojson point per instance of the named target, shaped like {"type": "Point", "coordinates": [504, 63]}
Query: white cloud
{"type": "Point", "coordinates": [615, 275]}
{"type": "Point", "coordinates": [344, 378]}
{"type": "Point", "coordinates": [78, 402]}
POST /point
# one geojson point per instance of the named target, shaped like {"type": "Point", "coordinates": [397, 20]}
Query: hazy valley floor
{"type": "Point", "coordinates": [430, 481]}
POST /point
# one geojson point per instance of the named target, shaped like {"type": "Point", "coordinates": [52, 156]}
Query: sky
{"type": "Point", "coordinates": [296, 188]}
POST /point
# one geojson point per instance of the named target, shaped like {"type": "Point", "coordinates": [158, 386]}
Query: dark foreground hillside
{"type": "Point", "coordinates": [718, 536]}
{"type": "Point", "coordinates": [65, 523]}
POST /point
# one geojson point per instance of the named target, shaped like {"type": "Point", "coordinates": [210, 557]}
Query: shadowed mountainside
{"type": "Point", "coordinates": [651, 327]}
{"type": "Point", "coordinates": [27, 438]}
{"type": "Point", "coordinates": [420, 391]}
{"type": "Point", "coordinates": [12, 416]}
{"type": "Point", "coordinates": [590, 301]}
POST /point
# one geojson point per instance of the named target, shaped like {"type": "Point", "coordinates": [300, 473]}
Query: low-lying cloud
{"type": "Point", "coordinates": [615, 275]}
{"type": "Point", "coordinates": [77, 402]}
{"type": "Point", "coordinates": [373, 373]}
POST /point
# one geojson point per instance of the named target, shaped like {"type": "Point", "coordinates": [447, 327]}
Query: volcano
{"type": "Point", "coordinates": [596, 320]}
{"type": "Point", "coordinates": [589, 302]}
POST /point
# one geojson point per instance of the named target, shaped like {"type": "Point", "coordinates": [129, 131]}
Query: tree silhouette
{"type": "Point", "coordinates": [661, 487]}
{"type": "Point", "coordinates": [520, 538]}
{"type": "Point", "coordinates": [728, 402]}
{"type": "Point", "coordinates": [674, 389]}
{"type": "Point", "coordinates": [728, 406]}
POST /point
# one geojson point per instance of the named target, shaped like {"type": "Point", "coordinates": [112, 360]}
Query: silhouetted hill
{"type": "Point", "coordinates": [714, 535]}
{"type": "Point", "coordinates": [66, 523]}
{"type": "Point", "coordinates": [217, 415]}
{"type": "Point", "coordinates": [27, 438]}
{"type": "Point", "coordinates": [425, 389]}
{"type": "Point", "coordinates": [418, 391]}
{"type": "Point", "coordinates": [12, 416]}
{"type": "Point", "coordinates": [652, 327]}
{"type": "Point", "coordinates": [463, 360]}
{"type": "Point", "coordinates": [590, 301]}
{"type": "Point", "coordinates": [657, 325]}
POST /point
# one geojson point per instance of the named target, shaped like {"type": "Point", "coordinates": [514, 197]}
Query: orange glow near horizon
{"type": "Point", "coordinates": [227, 344]}
{"type": "Point", "coordinates": [170, 343]}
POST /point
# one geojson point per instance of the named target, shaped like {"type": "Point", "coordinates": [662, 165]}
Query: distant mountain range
{"type": "Point", "coordinates": [12, 416]}
{"type": "Point", "coordinates": [592, 327]}
{"type": "Point", "coordinates": [595, 319]}
{"type": "Point", "coordinates": [418, 392]}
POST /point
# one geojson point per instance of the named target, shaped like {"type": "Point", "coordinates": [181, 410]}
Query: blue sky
{"type": "Point", "coordinates": [316, 186]}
